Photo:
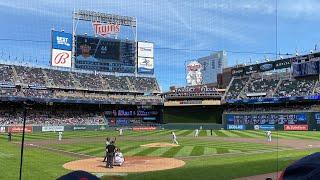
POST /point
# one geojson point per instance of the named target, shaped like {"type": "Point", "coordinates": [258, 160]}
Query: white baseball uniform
{"type": "Point", "coordinates": [60, 136]}
{"type": "Point", "coordinates": [174, 138]}
{"type": "Point", "coordinates": [196, 133]}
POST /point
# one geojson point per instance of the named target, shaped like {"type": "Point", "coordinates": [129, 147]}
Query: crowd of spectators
{"type": "Point", "coordinates": [45, 117]}
{"type": "Point", "coordinates": [12, 74]}
{"type": "Point", "coordinates": [274, 85]}
{"type": "Point", "coordinates": [51, 83]}
{"type": "Point", "coordinates": [6, 75]}
{"type": "Point", "coordinates": [236, 87]}
{"type": "Point", "coordinates": [295, 87]}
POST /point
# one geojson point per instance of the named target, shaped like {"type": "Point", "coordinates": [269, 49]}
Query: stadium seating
{"type": "Point", "coordinates": [52, 83]}
{"type": "Point", "coordinates": [271, 85]}
{"type": "Point", "coordinates": [236, 87]}
{"type": "Point", "coordinates": [46, 117]}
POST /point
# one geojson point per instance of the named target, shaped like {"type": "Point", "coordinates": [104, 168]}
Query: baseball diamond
{"type": "Point", "coordinates": [159, 90]}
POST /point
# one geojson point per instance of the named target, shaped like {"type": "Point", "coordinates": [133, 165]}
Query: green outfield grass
{"type": "Point", "coordinates": [206, 156]}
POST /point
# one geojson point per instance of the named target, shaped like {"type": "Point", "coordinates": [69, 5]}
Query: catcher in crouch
{"type": "Point", "coordinates": [118, 158]}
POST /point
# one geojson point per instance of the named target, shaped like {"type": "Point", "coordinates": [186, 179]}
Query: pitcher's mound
{"type": "Point", "coordinates": [131, 164]}
{"type": "Point", "coordinates": [160, 144]}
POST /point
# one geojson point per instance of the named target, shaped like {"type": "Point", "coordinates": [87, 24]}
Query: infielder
{"type": "Point", "coordinates": [174, 138]}
{"type": "Point", "coordinates": [196, 133]}
{"type": "Point", "coordinates": [268, 133]}
{"type": "Point", "coordinates": [60, 136]}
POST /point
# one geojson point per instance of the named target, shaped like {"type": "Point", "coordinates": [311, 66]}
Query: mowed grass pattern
{"type": "Point", "coordinates": [189, 145]}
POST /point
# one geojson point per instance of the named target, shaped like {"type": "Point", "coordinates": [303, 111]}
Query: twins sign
{"type": "Point", "coordinates": [105, 29]}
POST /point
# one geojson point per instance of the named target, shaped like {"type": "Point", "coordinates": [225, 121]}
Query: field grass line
{"type": "Point", "coordinates": [184, 151]}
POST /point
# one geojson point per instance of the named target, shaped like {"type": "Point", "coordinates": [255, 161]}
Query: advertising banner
{"type": "Point", "coordinates": [236, 127]}
{"type": "Point", "coordinates": [122, 122]}
{"type": "Point", "coordinates": [76, 128]}
{"type": "Point", "coordinates": [296, 127]}
{"type": "Point", "coordinates": [237, 71]}
{"type": "Point", "coordinates": [61, 40]}
{"type": "Point", "coordinates": [145, 49]}
{"type": "Point", "coordinates": [19, 129]}
{"type": "Point", "coordinates": [52, 128]}
{"type": "Point", "coordinates": [266, 127]}
{"type": "Point", "coordinates": [317, 117]}
{"type": "Point", "coordinates": [251, 69]}
{"type": "Point", "coordinates": [267, 66]}
{"type": "Point", "coordinates": [61, 58]}
{"type": "Point", "coordinates": [144, 128]}
{"type": "Point", "coordinates": [145, 65]}
{"type": "Point", "coordinates": [283, 63]}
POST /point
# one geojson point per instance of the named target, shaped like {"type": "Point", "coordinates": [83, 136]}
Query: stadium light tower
{"type": "Point", "coordinates": [26, 105]}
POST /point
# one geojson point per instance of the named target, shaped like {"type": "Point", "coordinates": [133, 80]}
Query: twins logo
{"type": "Point", "coordinates": [61, 58]}
{"type": "Point", "coordinates": [105, 29]}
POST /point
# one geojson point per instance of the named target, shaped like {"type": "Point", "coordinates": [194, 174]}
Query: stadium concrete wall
{"type": "Point", "coordinates": [193, 114]}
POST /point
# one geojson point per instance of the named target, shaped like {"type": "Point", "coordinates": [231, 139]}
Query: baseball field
{"type": "Point", "coordinates": [222, 155]}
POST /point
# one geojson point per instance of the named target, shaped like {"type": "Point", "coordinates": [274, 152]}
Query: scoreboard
{"type": "Point", "coordinates": [105, 54]}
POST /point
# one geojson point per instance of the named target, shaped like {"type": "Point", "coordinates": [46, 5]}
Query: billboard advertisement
{"type": "Point", "coordinates": [317, 117]}
{"type": "Point", "coordinates": [61, 40]}
{"type": "Point", "coordinates": [281, 64]}
{"type": "Point", "coordinates": [296, 127]}
{"type": "Point", "coordinates": [147, 128]}
{"type": "Point", "coordinates": [61, 58]}
{"type": "Point", "coordinates": [52, 128]}
{"type": "Point", "coordinates": [236, 127]}
{"type": "Point", "coordinates": [145, 65]}
{"type": "Point", "coordinates": [145, 49]}
{"type": "Point", "coordinates": [265, 127]}
{"type": "Point", "coordinates": [145, 58]}
{"type": "Point", "coordinates": [105, 54]}
{"type": "Point", "coordinates": [19, 129]}
{"type": "Point", "coordinates": [264, 119]}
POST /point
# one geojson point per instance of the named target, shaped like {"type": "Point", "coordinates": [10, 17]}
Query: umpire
{"type": "Point", "coordinates": [110, 154]}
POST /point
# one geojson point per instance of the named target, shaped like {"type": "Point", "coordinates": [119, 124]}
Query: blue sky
{"type": "Point", "coordinates": [181, 30]}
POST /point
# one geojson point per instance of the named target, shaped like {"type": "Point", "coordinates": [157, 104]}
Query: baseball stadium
{"type": "Point", "coordinates": [101, 104]}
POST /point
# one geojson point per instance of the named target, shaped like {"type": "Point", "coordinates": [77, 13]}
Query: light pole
{"type": "Point", "coordinates": [26, 104]}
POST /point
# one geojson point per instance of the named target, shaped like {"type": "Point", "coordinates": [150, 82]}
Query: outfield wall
{"type": "Point", "coordinates": [183, 126]}
{"type": "Point", "coordinates": [30, 129]}
{"type": "Point", "coordinates": [193, 114]}
{"type": "Point", "coordinates": [294, 120]}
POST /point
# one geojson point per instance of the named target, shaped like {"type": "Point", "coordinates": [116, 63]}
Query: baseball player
{"type": "Point", "coordinates": [60, 136]}
{"type": "Point", "coordinates": [118, 158]}
{"type": "Point", "coordinates": [196, 133]}
{"type": "Point", "coordinates": [174, 138]}
{"type": "Point", "coordinates": [120, 132]}
{"type": "Point", "coordinates": [9, 136]}
{"type": "Point", "coordinates": [268, 133]}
